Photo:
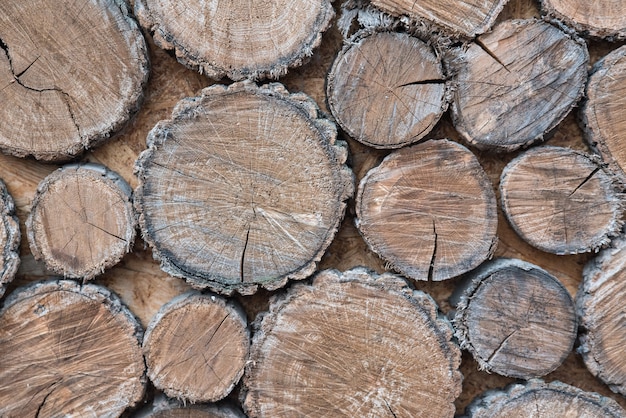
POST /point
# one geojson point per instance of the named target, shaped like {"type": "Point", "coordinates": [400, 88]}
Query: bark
{"type": "Point", "coordinates": [55, 103]}
{"type": "Point", "coordinates": [598, 19]}
{"type": "Point", "coordinates": [9, 238]}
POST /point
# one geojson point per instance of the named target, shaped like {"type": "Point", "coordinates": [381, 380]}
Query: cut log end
{"type": "Point", "coordinates": [560, 200]}
{"type": "Point", "coordinates": [196, 347]}
{"type": "Point", "coordinates": [234, 39]}
{"type": "Point", "coordinates": [352, 344]}
{"type": "Point", "coordinates": [600, 306]}
{"type": "Point", "coordinates": [69, 350]}
{"type": "Point", "coordinates": [9, 238]}
{"type": "Point", "coordinates": [429, 210]}
{"type": "Point", "coordinates": [277, 188]}
{"type": "Point", "coordinates": [387, 89]}
{"type": "Point", "coordinates": [601, 113]}
{"type": "Point", "coordinates": [516, 83]}
{"type": "Point", "coordinates": [602, 19]}
{"type": "Point", "coordinates": [55, 104]}
{"type": "Point", "coordinates": [516, 319]}
{"type": "Point", "coordinates": [536, 398]}
{"type": "Point", "coordinates": [81, 220]}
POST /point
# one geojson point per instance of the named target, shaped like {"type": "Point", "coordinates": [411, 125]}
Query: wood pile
{"type": "Point", "coordinates": [377, 208]}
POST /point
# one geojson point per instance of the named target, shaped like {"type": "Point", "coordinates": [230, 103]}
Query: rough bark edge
{"type": "Point", "coordinates": [468, 289]}
{"type": "Point", "coordinates": [191, 60]}
{"type": "Point", "coordinates": [161, 403]}
{"type": "Point", "coordinates": [355, 40]}
{"type": "Point", "coordinates": [583, 29]}
{"type": "Point", "coordinates": [101, 173]}
{"type": "Point", "coordinates": [130, 106]}
{"type": "Point", "coordinates": [234, 310]}
{"type": "Point", "coordinates": [11, 250]}
{"type": "Point", "coordinates": [336, 150]}
{"type": "Point", "coordinates": [386, 282]}
{"type": "Point", "coordinates": [368, 15]}
{"type": "Point", "coordinates": [595, 273]}
{"type": "Point", "coordinates": [612, 230]}
{"type": "Point", "coordinates": [456, 61]}
{"type": "Point", "coordinates": [98, 294]}
{"type": "Point", "coordinates": [395, 265]}
{"type": "Point", "coordinates": [587, 120]}
{"type": "Point", "coordinates": [482, 404]}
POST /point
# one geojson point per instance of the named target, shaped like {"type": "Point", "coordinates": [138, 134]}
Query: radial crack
{"type": "Point", "coordinates": [389, 408]}
{"type": "Point", "coordinates": [491, 54]}
{"type": "Point", "coordinates": [433, 257]}
{"type": "Point", "coordinates": [422, 82]}
{"type": "Point", "coordinates": [593, 173]}
{"type": "Point", "coordinates": [243, 254]}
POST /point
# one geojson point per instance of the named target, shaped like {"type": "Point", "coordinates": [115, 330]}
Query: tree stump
{"type": "Point", "coordinates": [601, 113]}
{"type": "Point", "coordinates": [599, 19]}
{"type": "Point", "coordinates": [196, 347]}
{"type": "Point", "coordinates": [538, 399]}
{"type": "Point", "coordinates": [429, 210]}
{"type": "Point", "coordinates": [81, 220]}
{"type": "Point", "coordinates": [68, 350]}
{"type": "Point", "coordinates": [168, 408]}
{"type": "Point", "coordinates": [234, 38]}
{"type": "Point", "coordinates": [55, 102]}
{"type": "Point", "coordinates": [9, 238]}
{"type": "Point", "coordinates": [459, 18]}
{"type": "Point", "coordinates": [515, 319]}
{"type": "Point", "coordinates": [560, 200]}
{"type": "Point", "coordinates": [386, 89]}
{"type": "Point", "coordinates": [352, 344]}
{"type": "Point", "coordinates": [600, 305]}
{"type": "Point", "coordinates": [245, 186]}
{"type": "Point", "coordinates": [516, 83]}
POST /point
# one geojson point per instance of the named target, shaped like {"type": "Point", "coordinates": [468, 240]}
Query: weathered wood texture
{"type": "Point", "coordinates": [352, 344]}
{"type": "Point", "coordinates": [70, 350]}
{"type": "Point", "coordinates": [560, 200]}
{"type": "Point", "coordinates": [81, 220]}
{"type": "Point", "coordinates": [235, 38]}
{"type": "Point", "coordinates": [603, 110]}
{"type": "Point", "coordinates": [387, 89]}
{"type": "Point", "coordinates": [9, 238]}
{"type": "Point", "coordinates": [516, 83]}
{"type": "Point", "coordinates": [466, 18]}
{"type": "Point", "coordinates": [516, 319]}
{"type": "Point", "coordinates": [538, 399]}
{"type": "Point", "coordinates": [71, 74]}
{"type": "Point", "coordinates": [429, 210]}
{"type": "Point", "coordinates": [600, 305]}
{"type": "Point", "coordinates": [600, 18]}
{"type": "Point", "coordinates": [276, 181]}
{"type": "Point", "coordinates": [196, 347]}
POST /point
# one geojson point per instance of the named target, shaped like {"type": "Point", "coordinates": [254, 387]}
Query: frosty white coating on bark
{"type": "Point", "coordinates": [9, 238]}
{"type": "Point", "coordinates": [352, 344]}
{"type": "Point", "coordinates": [237, 38]}
{"type": "Point", "coordinates": [69, 350]}
{"type": "Point", "coordinates": [244, 186]}
{"type": "Point", "coordinates": [71, 74]}
{"type": "Point", "coordinates": [81, 220]}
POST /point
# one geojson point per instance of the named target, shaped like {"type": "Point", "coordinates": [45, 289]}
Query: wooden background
{"type": "Point", "coordinates": [144, 287]}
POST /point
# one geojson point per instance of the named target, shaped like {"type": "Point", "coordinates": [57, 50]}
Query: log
{"type": "Point", "coordinates": [163, 407]}
{"type": "Point", "coordinates": [54, 104]}
{"type": "Point", "coordinates": [277, 180]}
{"type": "Point", "coordinates": [599, 303]}
{"type": "Point", "coordinates": [352, 344]}
{"type": "Point", "coordinates": [387, 89]}
{"type": "Point", "coordinates": [425, 225]}
{"type": "Point", "coordinates": [196, 347]}
{"type": "Point", "coordinates": [536, 398]}
{"type": "Point", "coordinates": [602, 19]}
{"type": "Point", "coordinates": [601, 112]}
{"type": "Point", "coordinates": [560, 200]}
{"type": "Point", "coordinates": [9, 238]}
{"type": "Point", "coordinates": [458, 18]}
{"type": "Point", "coordinates": [516, 83]}
{"type": "Point", "coordinates": [68, 350]}
{"type": "Point", "coordinates": [237, 39]}
{"type": "Point", "coordinates": [515, 319]}
{"type": "Point", "coordinates": [81, 221]}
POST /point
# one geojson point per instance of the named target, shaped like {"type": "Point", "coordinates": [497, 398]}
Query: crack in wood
{"type": "Point", "coordinates": [433, 257]}
{"type": "Point", "coordinates": [593, 173]}
{"type": "Point", "coordinates": [389, 408]}
{"type": "Point", "coordinates": [422, 82]}
{"type": "Point", "coordinates": [489, 52]}
{"type": "Point", "coordinates": [243, 254]}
